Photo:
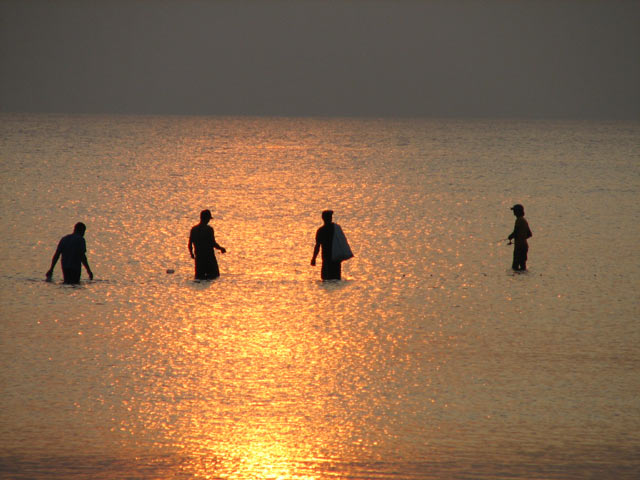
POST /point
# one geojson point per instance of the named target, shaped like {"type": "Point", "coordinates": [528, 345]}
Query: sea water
{"type": "Point", "coordinates": [431, 359]}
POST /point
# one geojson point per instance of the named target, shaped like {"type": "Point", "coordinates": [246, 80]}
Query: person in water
{"type": "Point", "coordinates": [521, 233]}
{"type": "Point", "coordinates": [331, 268]}
{"type": "Point", "coordinates": [203, 241]}
{"type": "Point", "coordinates": [73, 249]}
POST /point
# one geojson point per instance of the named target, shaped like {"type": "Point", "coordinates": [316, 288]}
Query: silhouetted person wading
{"type": "Point", "coordinates": [73, 249]}
{"type": "Point", "coordinates": [520, 234]}
{"type": "Point", "coordinates": [335, 248]}
{"type": "Point", "coordinates": [203, 241]}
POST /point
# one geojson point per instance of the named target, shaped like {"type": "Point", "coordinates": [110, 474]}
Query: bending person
{"type": "Point", "coordinates": [73, 249]}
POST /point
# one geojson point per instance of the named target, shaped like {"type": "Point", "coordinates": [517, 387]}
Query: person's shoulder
{"type": "Point", "coordinates": [206, 230]}
{"type": "Point", "coordinates": [77, 239]}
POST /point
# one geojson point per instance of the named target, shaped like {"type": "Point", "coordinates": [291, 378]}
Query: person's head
{"type": "Point", "coordinates": [518, 210]}
{"type": "Point", "coordinates": [205, 216]}
{"type": "Point", "coordinates": [327, 216]}
{"type": "Point", "coordinates": [79, 228]}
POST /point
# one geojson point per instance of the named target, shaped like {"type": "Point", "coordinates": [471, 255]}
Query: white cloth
{"type": "Point", "coordinates": [340, 249]}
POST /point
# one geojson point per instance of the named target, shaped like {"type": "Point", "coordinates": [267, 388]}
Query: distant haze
{"type": "Point", "coordinates": [517, 58]}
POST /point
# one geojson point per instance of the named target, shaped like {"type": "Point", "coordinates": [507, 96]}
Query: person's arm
{"type": "Point", "coordinates": [515, 231]}
{"type": "Point", "coordinates": [316, 250]}
{"type": "Point", "coordinates": [215, 244]}
{"type": "Point", "coordinates": [191, 245]}
{"type": "Point", "coordinates": [85, 262]}
{"type": "Point", "coordinates": [54, 260]}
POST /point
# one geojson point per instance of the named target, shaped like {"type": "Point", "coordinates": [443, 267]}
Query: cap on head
{"type": "Point", "coordinates": [518, 209]}
{"type": "Point", "coordinates": [205, 215]}
{"type": "Point", "coordinates": [327, 215]}
{"type": "Point", "coordinates": [79, 228]}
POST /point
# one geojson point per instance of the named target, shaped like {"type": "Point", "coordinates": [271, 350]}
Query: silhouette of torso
{"type": "Point", "coordinates": [202, 237]}
{"type": "Point", "coordinates": [72, 247]}
{"type": "Point", "coordinates": [521, 232]}
{"type": "Point", "coordinates": [324, 236]}
{"type": "Point", "coordinates": [203, 240]}
{"type": "Point", "coordinates": [330, 270]}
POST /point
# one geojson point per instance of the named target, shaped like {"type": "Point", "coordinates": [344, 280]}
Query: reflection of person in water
{"type": "Point", "coordinates": [73, 249]}
{"type": "Point", "coordinates": [327, 237]}
{"type": "Point", "coordinates": [203, 241]}
{"type": "Point", "coordinates": [520, 234]}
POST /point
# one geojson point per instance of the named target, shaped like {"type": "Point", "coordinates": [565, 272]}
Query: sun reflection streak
{"type": "Point", "coordinates": [254, 388]}
{"type": "Point", "coordinates": [426, 351]}
{"type": "Point", "coordinates": [262, 383]}
{"type": "Point", "coordinates": [257, 459]}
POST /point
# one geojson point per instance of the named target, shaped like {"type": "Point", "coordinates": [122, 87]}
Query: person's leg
{"type": "Point", "coordinates": [207, 268]}
{"type": "Point", "coordinates": [71, 276]}
{"type": "Point", "coordinates": [338, 270]}
{"type": "Point", "coordinates": [515, 264]}
{"type": "Point", "coordinates": [331, 270]}
{"type": "Point", "coordinates": [520, 258]}
{"type": "Point", "coordinates": [212, 269]}
{"type": "Point", "coordinates": [523, 258]}
{"type": "Point", "coordinates": [200, 269]}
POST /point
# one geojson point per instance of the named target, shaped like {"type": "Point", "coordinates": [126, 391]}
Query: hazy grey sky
{"type": "Point", "coordinates": [537, 58]}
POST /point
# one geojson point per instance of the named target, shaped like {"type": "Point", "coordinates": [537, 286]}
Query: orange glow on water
{"type": "Point", "coordinates": [430, 358]}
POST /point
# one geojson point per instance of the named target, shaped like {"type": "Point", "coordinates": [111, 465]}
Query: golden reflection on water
{"type": "Point", "coordinates": [429, 351]}
{"type": "Point", "coordinates": [260, 387]}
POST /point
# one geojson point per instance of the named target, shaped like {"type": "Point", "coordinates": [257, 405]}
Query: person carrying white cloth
{"type": "Point", "coordinates": [335, 248]}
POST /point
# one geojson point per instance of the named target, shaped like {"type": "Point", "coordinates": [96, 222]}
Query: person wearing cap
{"type": "Point", "coordinates": [202, 241]}
{"type": "Point", "coordinates": [521, 232]}
{"type": "Point", "coordinates": [73, 250]}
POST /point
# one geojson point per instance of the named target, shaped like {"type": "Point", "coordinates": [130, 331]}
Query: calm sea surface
{"type": "Point", "coordinates": [430, 360]}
